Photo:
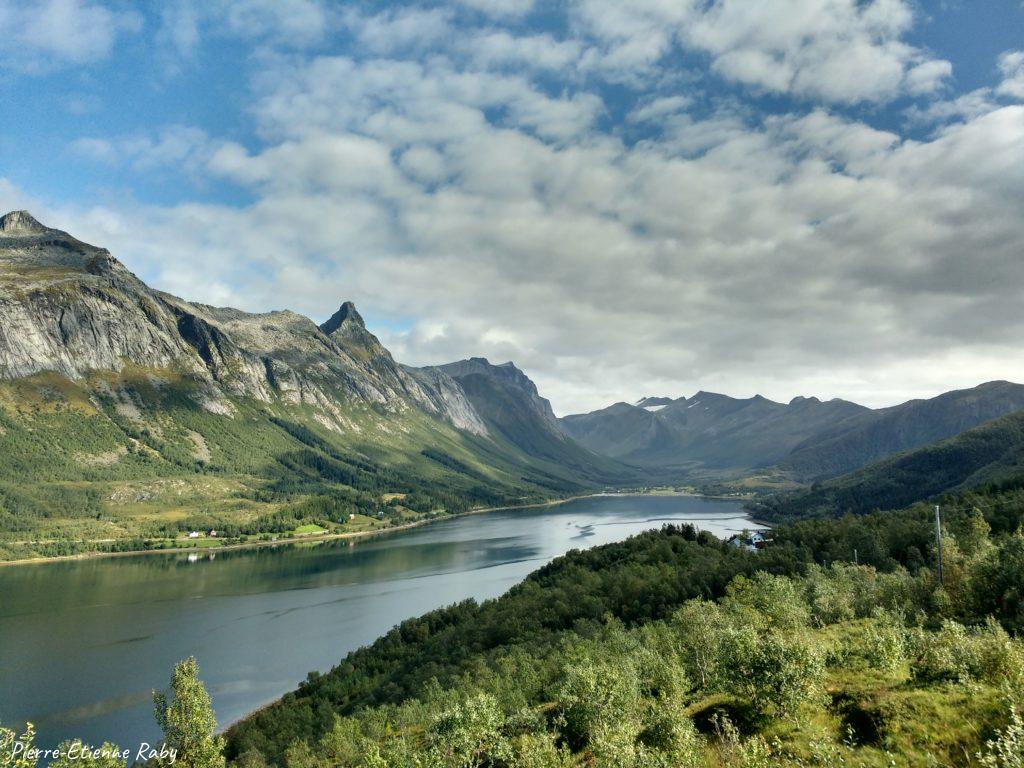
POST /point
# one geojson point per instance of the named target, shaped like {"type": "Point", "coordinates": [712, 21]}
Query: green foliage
{"type": "Point", "coordinates": [1006, 750]}
{"type": "Point", "coordinates": [992, 452]}
{"type": "Point", "coordinates": [187, 719]}
{"type": "Point", "coordinates": [997, 586]}
{"type": "Point", "coordinates": [468, 734]}
{"type": "Point", "coordinates": [776, 671]}
{"type": "Point", "coordinates": [961, 654]}
{"type": "Point", "coordinates": [15, 748]}
{"type": "Point", "coordinates": [770, 600]}
{"type": "Point", "coordinates": [840, 592]}
{"type": "Point", "coordinates": [734, 751]}
{"type": "Point", "coordinates": [885, 642]}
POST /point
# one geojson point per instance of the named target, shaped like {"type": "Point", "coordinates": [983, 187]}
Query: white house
{"type": "Point", "coordinates": [749, 541]}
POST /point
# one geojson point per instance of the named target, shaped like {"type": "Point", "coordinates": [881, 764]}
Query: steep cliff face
{"type": "Point", "coordinates": [512, 409]}
{"type": "Point", "coordinates": [128, 414]}
{"type": "Point", "coordinates": [510, 379]}
{"type": "Point", "coordinates": [72, 308]}
{"type": "Point", "coordinates": [69, 307]}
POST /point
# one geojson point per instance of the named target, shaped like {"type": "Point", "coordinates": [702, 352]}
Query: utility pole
{"type": "Point", "coordinates": [938, 541]}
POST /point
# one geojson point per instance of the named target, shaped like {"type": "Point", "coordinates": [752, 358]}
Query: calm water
{"type": "Point", "coordinates": [84, 643]}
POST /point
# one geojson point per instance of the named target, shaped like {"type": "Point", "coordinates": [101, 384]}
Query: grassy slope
{"type": "Point", "coordinates": [120, 459]}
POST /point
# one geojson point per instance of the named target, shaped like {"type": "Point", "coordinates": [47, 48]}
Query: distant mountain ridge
{"type": "Point", "coordinates": [114, 395]}
{"type": "Point", "coordinates": [806, 439]}
{"type": "Point", "coordinates": [706, 431]}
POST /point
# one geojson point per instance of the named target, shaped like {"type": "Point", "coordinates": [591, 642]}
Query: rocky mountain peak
{"type": "Point", "coordinates": [20, 223]}
{"type": "Point", "coordinates": [347, 315]}
{"type": "Point", "coordinates": [801, 400]}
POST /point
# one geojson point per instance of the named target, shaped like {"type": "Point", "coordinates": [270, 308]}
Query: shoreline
{"type": "Point", "coordinates": [338, 536]}
{"type": "Point", "coordinates": [296, 539]}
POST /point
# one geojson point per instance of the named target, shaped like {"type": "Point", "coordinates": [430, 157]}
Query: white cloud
{"type": "Point", "coordinates": [499, 8]}
{"type": "Point", "coordinates": [400, 29]}
{"type": "Point", "coordinates": [980, 101]}
{"type": "Point", "coordinates": [179, 28]}
{"type": "Point", "coordinates": [178, 147]}
{"type": "Point", "coordinates": [963, 107]}
{"type": "Point", "coordinates": [840, 51]}
{"type": "Point", "coordinates": [786, 247]}
{"type": "Point", "coordinates": [41, 35]}
{"type": "Point", "coordinates": [1011, 65]}
{"type": "Point", "coordinates": [657, 109]}
{"type": "Point", "coordinates": [290, 22]}
{"type": "Point", "coordinates": [470, 181]}
{"type": "Point", "coordinates": [405, 101]}
{"type": "Point", "coordinates": [495, 49]}
{"type": "Point", "coordinates": [928, 76]}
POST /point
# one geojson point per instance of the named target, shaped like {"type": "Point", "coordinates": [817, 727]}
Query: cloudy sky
{"type": "Point", "coordinates": [626, 198]}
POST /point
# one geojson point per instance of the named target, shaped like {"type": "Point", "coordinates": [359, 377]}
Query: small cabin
{"type": "Point", "coordinates": [750, 541]}
{"type": "Point", "coordinates": [193, 534]}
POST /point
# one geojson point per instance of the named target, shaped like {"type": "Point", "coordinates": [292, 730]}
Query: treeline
{"type": "Point", "coordinates": [674, 649]}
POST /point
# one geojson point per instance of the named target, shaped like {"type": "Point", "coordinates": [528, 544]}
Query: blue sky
{"type": "Point", "coordinates": [803, 197]}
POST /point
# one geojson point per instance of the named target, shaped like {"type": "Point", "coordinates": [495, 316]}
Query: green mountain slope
{"type": "Point", "coordinates": [901, 428]}
{"type": "Point", "coordinates": [129, 417]}
{"type": "Point", "coordinates": [991, 452]}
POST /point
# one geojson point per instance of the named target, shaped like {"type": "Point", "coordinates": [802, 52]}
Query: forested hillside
{"type": "Point", "coordinates": [990, 453]}
{"type": "Point", "coordinates": [673, 648]}
{"type": "Point", "coordinates": [836, 645]}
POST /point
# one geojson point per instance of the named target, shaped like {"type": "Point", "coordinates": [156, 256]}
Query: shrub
{"type": "Point", "coordinates": [777, 672]}
{"type": "Point", "coordinates": [885, 642]}
{"type": "Point", "coordinates": [1006, 750]}
{"type": "Point", "coordinates": [960, 654]}
{"type": "Point", "coordinates": [839, 593]}
{"type": "Point", "coordinates": [469, 734]}
{"type": "Point", "coordinates": [699, 625]}
{"type": "Point", "coordinates": [775, 601]}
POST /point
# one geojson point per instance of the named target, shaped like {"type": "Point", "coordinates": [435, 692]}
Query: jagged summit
{"type": "Point", "coordinates": [21, 223]}
{"type": "Point", "coordinates": [347, 313]}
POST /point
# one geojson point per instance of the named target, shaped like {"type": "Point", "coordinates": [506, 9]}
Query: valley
{"type": "Point", "coordinates": [193, 441]}
{"type": "Point", "coordinates": [510, 384]}
{"type": "Point", "coordinates": [145, 422]}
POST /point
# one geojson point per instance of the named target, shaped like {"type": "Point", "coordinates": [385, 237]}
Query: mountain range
{"type": "Point", "coordinates": [805, 440]}
{"type": "Point", "coordinates": [123, 407]}
{"type": "Point", "coordinates": [131, 415]}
